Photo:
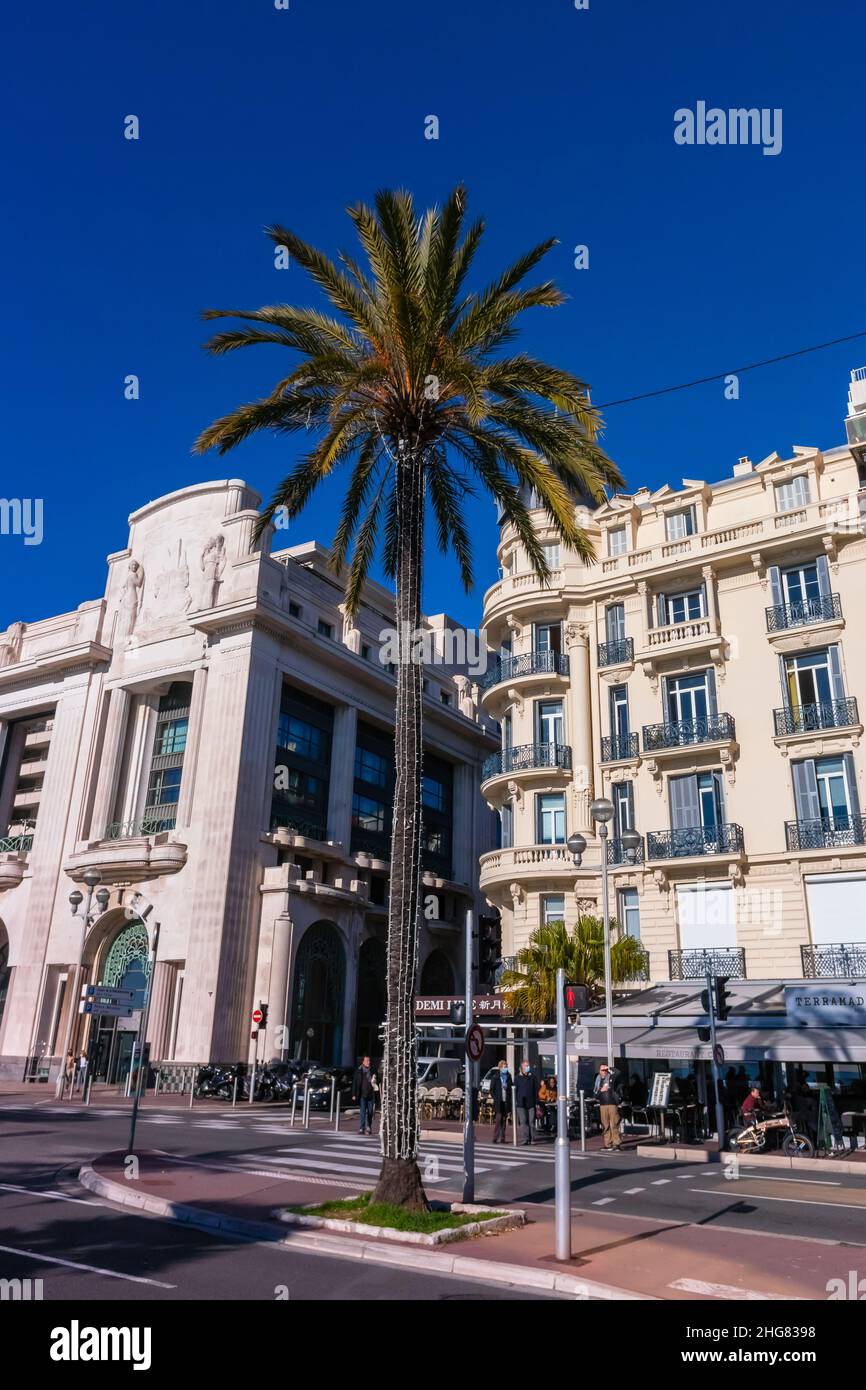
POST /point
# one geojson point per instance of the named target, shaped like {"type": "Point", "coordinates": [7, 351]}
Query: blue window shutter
{"type": "Point", "coordinates": [823, 576]}
{"type": "Point", "coordinates": [836, 673]}
{"type": "Point", "coordinates": [775, 578]}
{"type": "Point", "coordinates": [685, 802]}
{"type": "Point", "coordinates": [712, 703]}
{"type": "Point", "coordinates": [660, 610]}
{"type": "Point", "coordinates": [806, 790]}
{"type": "Point", "coordinates": [851, 774]}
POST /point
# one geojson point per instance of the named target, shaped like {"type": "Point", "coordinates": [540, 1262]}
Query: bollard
{"type": "Point", "coordinates": [307, 1101]}
{"type": "Point", "coordinates": [582, 1122]}
{"type": "Point", "coordinates": [252, 1083]}
{"type": "Point", "coordinates": [294, 1102]}
{"type": "Point", "coordinates": [337, 1118]}
{"type": "Point", "coordinates": [235, 1091]}
{"type": "Point", "coordinates": [158, 1079]}
{"type": "Point", "coordinates": [333, 1094]}
{"type": "Point", "coordinates": [191, 1086]}
{"type": "Point", "coordinates": [514, 1113]}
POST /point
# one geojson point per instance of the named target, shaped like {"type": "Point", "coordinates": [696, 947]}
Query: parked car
{"type": "Point", "coordinates": [320, 1087]}
{"type": "Point", "coordinates": [440, 1071]}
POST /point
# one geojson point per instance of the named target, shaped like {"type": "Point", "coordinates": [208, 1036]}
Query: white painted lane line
{"type": "Point", "coordinates": [632, 1191]}
{"type": "Point", "coordinates": [810, 1182]}
{"type": "Point", "coordinates": [660, 1182]}
{"type": "Point", "coordinates": [91, 1269]}
{"type": "Point", "coordinates": [731, 1291]}
{"type": "Point", "coordinates": [603, 1201]}
{"type": "Point", "coordinates": [796, 1201]}
{"type": "Point", "coordinates": [55, 1196]}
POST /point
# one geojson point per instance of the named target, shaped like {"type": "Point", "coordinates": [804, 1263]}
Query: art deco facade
{"type": "Point", "coordinates": [708, 674]}
{"type": "Point", "coordinates": [215, 734]}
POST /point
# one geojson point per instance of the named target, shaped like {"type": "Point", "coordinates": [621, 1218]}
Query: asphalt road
{"type": "Point", "coordinates": [43, 1209]}
{"type": "Point", "coordinates": [84, 1249]}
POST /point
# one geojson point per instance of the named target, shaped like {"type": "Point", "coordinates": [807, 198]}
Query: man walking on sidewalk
{"type": "Point", "coordinates": [364, 1092]}
{"type": "Point", "coordinates": [500, 1091]}
{"type": "Point", "coordinates": [526, 1094]}
{"type": "Point", "coordinates": [609, 1099]}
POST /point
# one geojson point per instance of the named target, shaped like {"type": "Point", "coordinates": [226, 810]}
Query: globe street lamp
{"type": "Point", "coordinates": [602, 811]}
{"type": "Point", "coordinates": [90, 877]}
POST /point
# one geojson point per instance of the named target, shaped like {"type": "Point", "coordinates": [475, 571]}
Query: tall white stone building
{"type": "Point", "coordinates": [215, 735]}
{"type": "Point", "coordinates": [708, 674]}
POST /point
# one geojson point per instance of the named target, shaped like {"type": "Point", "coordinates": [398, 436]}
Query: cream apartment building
{"type": "Point", "coordinates": [708, 675]}
{"type": "Point", "coordinates": [214, 737]}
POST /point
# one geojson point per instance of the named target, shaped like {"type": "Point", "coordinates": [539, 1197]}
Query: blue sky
{"type": "Point", "coordinates": [559, 121]}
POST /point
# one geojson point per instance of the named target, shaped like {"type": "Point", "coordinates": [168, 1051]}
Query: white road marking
{"type": "Point", "coordinates": [632, 1191]}
{"type": "Point", "coordinates": [797, 1201]}
{"type": "Point", "coordinates": [660, 1182]}
{"type": "Point", "coordinates": [91, 1269]}
{"type": "Point", "coordinates": [55, 1196]}
{"type": "Point", "coordinates": [731, 1291]}
{"type": "Point", "coordinates": [603, 1201]}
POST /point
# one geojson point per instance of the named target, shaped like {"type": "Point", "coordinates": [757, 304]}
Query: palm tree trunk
{"type": "Point", "coordinates": [400, 1178]}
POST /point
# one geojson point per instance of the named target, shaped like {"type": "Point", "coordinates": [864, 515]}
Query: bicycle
{"type": "Point", "coordinates": [752, 1137]}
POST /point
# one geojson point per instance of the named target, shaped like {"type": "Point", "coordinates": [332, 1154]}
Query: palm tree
{"type": "Point", "coordinates": [531, 987]}
{"type": "Point", "coordinates": [403, 381]}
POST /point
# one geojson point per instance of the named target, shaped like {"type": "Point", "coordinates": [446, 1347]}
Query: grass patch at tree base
{"type": "Point", "coordinates": [362, 1210]}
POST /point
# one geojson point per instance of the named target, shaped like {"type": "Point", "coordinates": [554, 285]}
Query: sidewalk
{"type": "Point", "coordinates": [613, 1257]}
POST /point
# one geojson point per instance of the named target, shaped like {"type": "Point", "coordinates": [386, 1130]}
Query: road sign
{"type": "Point", "coordinates": [257, 1016]}
{"type": "Point", "coordinates": [474, 1042]}
{"type": "Point", "coordinates": [95, 1007]}
{"type": "Point", "coordinates": [719, 1054]}
{"type": "Point", "coordinates": [108, 993]}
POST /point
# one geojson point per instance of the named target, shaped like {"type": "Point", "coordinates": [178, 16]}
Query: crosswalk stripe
{"type": "Point", "coordinates": [363, 1169]}
{"type": "Point", "coordinates": [603, 1201]}
{"type": "Point", "coordinates": [372, 1156]}
{"type": "Point", "coordinates": [632, 1191]}
{"type": "Point", "coordinates": [660, 1182]}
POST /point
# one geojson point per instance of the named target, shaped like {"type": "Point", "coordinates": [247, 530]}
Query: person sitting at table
{"type": "Point", "coordinates": [547, 1097]}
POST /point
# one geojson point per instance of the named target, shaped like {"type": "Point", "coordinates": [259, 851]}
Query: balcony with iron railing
{"type": "Point", "coordinates": [512, 668]}
{"type": "Point", "coordinates": [155, 821]}
{"type": "Point", "coordinates": [840, 960]}
{"type": "Point", "coordinates": [616, 853]}
{"type": "Point", "coordinates": [618, 653]}
{"type": "Point", "coordinates": [808, 719]}
{"type": "Point", "coordinates": [698, 962]}
{"type": "Point", "coordinates": [527, 757]}
{"type": "Point", "coordinates": [693, 841]}
{"type": "Point", "coordinates": [685, 733]}
{"type": "Point", "coordinates": [841, 832]}
{"type": "Point", "coordinates": [823, 608]}
{"type": "Point", "coordinates": [313, 829]}
{"type": "Point", "coordinates": [618, 748]}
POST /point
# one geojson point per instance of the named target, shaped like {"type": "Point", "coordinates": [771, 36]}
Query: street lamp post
{"type": "Point", "coordinates": [90, 877]}
{"type": "Point", "coordinates": [602, 811]}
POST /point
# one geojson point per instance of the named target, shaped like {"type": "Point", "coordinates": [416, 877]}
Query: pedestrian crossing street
{"type": "Point", "coordinates": [358, 1157]}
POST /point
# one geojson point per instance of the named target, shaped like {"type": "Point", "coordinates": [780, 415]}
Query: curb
{"type": "Point", "coordinates": [430, 1262]}
{"type": "Point", "coordinates": [807, 1165]}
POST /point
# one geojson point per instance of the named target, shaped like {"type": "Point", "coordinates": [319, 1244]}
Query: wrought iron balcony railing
{"type": "Point", "coordinates": [508, 668]}
{"type": "Point", "coordinates": [686, 732]}
{"type": "Point", "coordinates": [310, 829]}
{"type": "Point", "coordinates": [527, 756]}
{"type": "Point", "coordinates": [377, 843]}
{"type": "Point", "coordinates": [699, 962]}
{"type": "Point", "coordinates": [155, 820]}
{"type": "Point", "coordinates": [694, 840]}
{"type": "Point", "coordinates": [16, 844]}
{"type": "Point", "coordinates": [616, 653]}
{"type": "Point", "coordinates": [842, 960]}
{"type": "Point", "coordinates": [615, 747]}
{"type": "Point", "coordinates": [822, 834]}
{"type": "Point", "coordinates": [616, 853]}
{"type": "Point", "coordinates": [820, 609]}
{"type": "Point", "coordinates": [805, 719]}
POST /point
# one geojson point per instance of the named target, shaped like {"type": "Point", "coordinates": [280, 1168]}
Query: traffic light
{"type": "Point", "coordinates": [705, 1034]}
{"type": "Point", "coordinates": [576, 997]}
{"type": "Point", "coordinates": [489, 951]}
{"type": "Point", "coordinates": [457, 1012]}
{"type": "Point", "coordinates": [705, 1001]}
{"type": "Point", "coordinates": [723, 997]}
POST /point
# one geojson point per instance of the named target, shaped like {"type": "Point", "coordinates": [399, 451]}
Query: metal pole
{"type": "Point", "coordinates": [253, 1073]}
{"type": "Point", "coordinates": [191, 1086]}
{"type": "Point", "coordinates": [608, 986]}
{"type": "Point", "coordinates": [294, 1103]}
{"type": "Point", "coordinates": [562, 1153]}
{"type": "Point", "coordinates": [235, 1091]}
{"type": "Point", "coordinates": [514, 1110]}
{"type": "Point", "coordinates": [73, 1003]}
{"type": "Point", "coordinates": [583, 1122]}
{"type": "Point", "coordinates": [333, 1095]}
{"type": "Point", "coordinates": [720, 1113]}
{"type": "Point", "coordinates": [337, 1116]}
{"type": "Point", "coordinates": [307, 1101]}
{"type": "Point", "coordinates": [469, 1088]}
{"type": "Point", "coordinates": [142, 1038]}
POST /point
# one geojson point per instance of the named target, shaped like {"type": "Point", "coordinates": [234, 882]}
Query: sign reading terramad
{"type": "Point", "coordinates": [829, 1006]}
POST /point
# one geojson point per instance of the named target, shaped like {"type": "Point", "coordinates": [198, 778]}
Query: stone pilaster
{"type": "Point", "coordinates": [110, 762]}
{"type": "Point", "coordinates": [580, 726]}
{"type": "Point", "coordinates": [193, 740]}
{"type": "Point", "coordinates": [342, 774]}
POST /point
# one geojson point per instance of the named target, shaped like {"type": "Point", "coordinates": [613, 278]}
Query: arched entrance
{"type": "Point", "coordinates": [318, 989]}
{"type": "Point", "coordinates": [372, 997]}
{"type": "Point", "coordinates": [437, 975]}
{"type": "Point", "coordinates": [124, 966]}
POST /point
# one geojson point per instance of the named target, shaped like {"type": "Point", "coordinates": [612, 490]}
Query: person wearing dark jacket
{"type": "Point", "coordinates": [500, 1091]}
{"type": "Point", "coordinates": [607, 1093]}
{"type": "Point", "coordinates": [525, 1096]}
{"type": "Point", "coordinates": [364, 1090]}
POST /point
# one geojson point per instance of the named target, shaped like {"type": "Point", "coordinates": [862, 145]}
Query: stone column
{"type": "Point", "coordinates": [709, 575]}
{"type": "Point", "coordinates": [580, 723]}
{"type": "Point", "coordinates": [109, 763]}
{"type": "Point", "coordinates": [193, 736]}
{"type": "Point", "coordinates": [342, 775]}
{"type": "Point", "coordinates": [160, 1008]}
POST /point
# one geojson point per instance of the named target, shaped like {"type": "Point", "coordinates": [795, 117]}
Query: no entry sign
{"type": "Point", "coordinates": [257, 1016]}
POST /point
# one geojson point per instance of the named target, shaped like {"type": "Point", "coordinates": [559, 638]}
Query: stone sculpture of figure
{"type": "Point", "coordinates": [464, 696]}
{"type": "Point", "coordinates": [213, 562]}
{"type": "Point", "coordinates": [10, 644]}
{"type": "Point", "coordinates": [130, 598]}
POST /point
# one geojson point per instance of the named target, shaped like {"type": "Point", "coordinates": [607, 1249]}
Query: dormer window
{"type": "Point", "coordinates": [678, 525]}
{"type": "Point", "coordinates": [617, 541]}
{"type": "Point", "coordinates": [792, 494]}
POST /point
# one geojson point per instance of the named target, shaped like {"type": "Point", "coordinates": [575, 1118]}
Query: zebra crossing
{"type": "Point", "coordinates": [359, 1157]}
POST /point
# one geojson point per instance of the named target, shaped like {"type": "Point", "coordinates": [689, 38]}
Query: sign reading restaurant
{"type": "Point", "coordinates": [439, 1005]}
{"type": "Point", "coordinates": [830, 1006]}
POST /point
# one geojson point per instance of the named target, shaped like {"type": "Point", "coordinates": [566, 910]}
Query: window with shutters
{"type": "Point", "coordinates": [792, 494]}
